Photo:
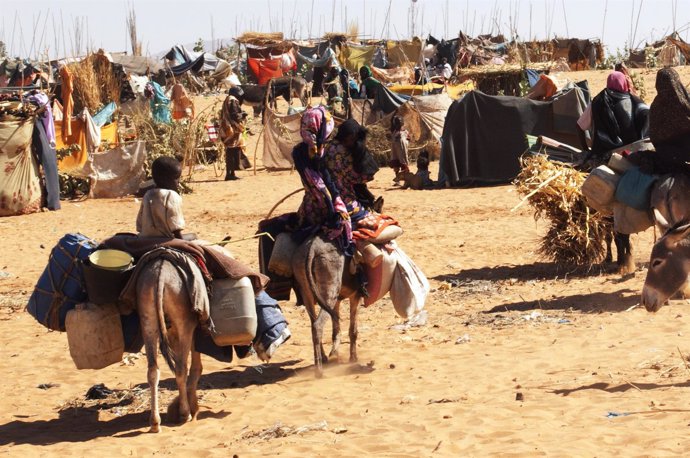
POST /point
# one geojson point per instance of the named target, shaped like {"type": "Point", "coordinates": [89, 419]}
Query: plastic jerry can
{"type": "Point", "coordinates": [94, 335]}
{"type": "Point", "coordinates": [619, 164]}
{"type": "Point", "coordinates": [233, 311]}
{"type": "Point", "coordinates": [600, 188]}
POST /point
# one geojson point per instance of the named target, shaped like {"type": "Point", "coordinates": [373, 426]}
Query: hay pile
{"type": "Point", "coordinates": [95, 83]}
{"type": "Point", "coordinates": [577, 233]}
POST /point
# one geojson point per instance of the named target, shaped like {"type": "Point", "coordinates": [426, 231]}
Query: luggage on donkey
{"type": "Point", "coordinates": [61, 285]}
{"type": "Point", "coordinates": [233, 311]}
{"type": "Point", "coordinates": [599, 189]}
{"type": "Point", "coordinates": [94, 335]}
{"type": "Point", "coordinates": [409, 287]}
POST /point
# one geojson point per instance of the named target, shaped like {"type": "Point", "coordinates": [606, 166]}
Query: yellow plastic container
{"type": "Point", "coordinates": [111, 259]}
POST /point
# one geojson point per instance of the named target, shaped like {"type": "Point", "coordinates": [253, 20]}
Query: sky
{"type": "Point", "coordinates": [52, 27]}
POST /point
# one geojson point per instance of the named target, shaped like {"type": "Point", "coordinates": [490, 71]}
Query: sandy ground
{"type": "Point", "coordinates": [519, 358]}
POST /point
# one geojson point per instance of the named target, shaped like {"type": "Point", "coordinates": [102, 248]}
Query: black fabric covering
{"type": "Point", "coordinates": [387, 100]}
{"type": "Point", "coordinates": [618, 119]}
{"type": "Point", "coordinates": [484, 136]}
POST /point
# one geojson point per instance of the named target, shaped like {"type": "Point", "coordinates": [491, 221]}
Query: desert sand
{"type": "Point", "coordinates": [518, 358]}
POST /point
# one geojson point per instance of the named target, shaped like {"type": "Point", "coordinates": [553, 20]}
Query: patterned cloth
{"type": "Point", "coordinates": [314, 131]}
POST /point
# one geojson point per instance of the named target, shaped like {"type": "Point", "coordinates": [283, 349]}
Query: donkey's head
{"type": "Point", "coordinates": [669, 267]}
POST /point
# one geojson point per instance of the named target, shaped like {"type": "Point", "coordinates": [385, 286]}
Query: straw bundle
{"type": "Point", "coordinates": [577, 234]}
{"type": "Point", "coordinates": [94, 83]}
{"type": "Point", "coordinates": [260, 38]}
{"type": "Point", "coordinates": [505, 69]}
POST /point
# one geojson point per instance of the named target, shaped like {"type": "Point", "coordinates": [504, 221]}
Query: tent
{"type": "Point", "coordinates": [483, 135]}
{"type": "Point", "coordinates": [137, 65]}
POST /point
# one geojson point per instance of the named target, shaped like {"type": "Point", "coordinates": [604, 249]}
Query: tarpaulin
{"type": "Point", "coordinates": [432, 109]}
{"type": "Point", "coordinates": [265, 69]}
{"type": "Point", "coordinates": [76, 160]}
{"type": "Point", "coordinates": [116, 172]}
{"type": "Point", "coordinates": [20, 188]}
{"type": "Point", "coordinates": [394, 75]}
{"type": "Point", "coordinates": [404, 52]}
{"type": "Point", "coordinates": [416, 89]}
{"type": "Point", "coordinates": [327, 58]}
{"type": "Point", "coordinates": [354, 56]}
{"type": "Point", "coordinates": [484, 135]}
{"type": "Point", "coordinates": [281, 134]}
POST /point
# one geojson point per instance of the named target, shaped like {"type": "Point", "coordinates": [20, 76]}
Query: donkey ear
{"type": "Point", "coordinates": [661, 221]}
{"type": "Point", "coordinates": [679, 233]}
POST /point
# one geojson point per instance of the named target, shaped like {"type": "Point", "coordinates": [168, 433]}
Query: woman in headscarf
{"type": "Point", "coordinates": [615, 117]}
{"type": "Point", "coordinates": [160, 104]}
{"type": "Point", "coordinates": [669, 122]}
{"type": "Point", "coordinates": [351, 167]}
{"type": "Point", "coordinates": [322, 207]}
{"type": "Point", "coordinates": [369, 84]}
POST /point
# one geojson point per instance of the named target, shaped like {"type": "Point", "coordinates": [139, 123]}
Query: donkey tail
{"type": "Point", "coordinates": [166, 350]}
{"type": "Point", "coordinates": [313, 287]}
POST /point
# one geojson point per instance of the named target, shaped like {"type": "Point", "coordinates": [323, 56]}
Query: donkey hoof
{"type": "Point", "coordinates": [155, 429]}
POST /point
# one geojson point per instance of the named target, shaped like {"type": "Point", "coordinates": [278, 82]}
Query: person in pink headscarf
{"type": "Point", "coordinates": [614, 118]}
{"type": "Point", "coordinates": [322, 208]}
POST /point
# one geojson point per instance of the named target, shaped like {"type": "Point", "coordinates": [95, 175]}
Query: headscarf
{"type": "Point", "coordinates": [669, 115]}
{"type": "Point", "coordinates": [617, 82]}
{"type": "Point", "coordinates": [365, 72]}
{"type": "Point", "coordinates": [317, 125]}
{"type": "Point", "coordinates": [362, 160]}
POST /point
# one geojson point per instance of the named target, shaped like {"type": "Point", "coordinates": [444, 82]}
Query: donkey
{"type": "Point", "coordinates": [162, 298]}
{"type": "Point", "coordinates": [323, 277]}
{"type": "Point", "coordinates": [669, 267]}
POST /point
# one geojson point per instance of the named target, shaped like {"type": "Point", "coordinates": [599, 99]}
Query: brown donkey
{"type": "Point", "coordinates": [162, 298]}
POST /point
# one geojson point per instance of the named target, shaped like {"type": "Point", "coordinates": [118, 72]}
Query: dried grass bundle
{"type": "Point", "coordinates": [260, 38]}
{"type": "Point", "coordinates": [86, 92]}
{"type": "Point", "coordinates": [95, 83]}
{"type": "Point", "coordinates": [577, 234]}
{"type": "Point", "coordinates": [505, 69]}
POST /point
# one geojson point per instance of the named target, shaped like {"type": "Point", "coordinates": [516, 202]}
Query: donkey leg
{"type": "Point", "coordinates": [354, 308]}
{"type": "Point", "coordinates": [181, 375]}
{"type": "Point", "coordinates": [625, 262]}
{"type": "Point", "coordinates": [151, 343]}
{"type": "Point", "coordinates": [336, 331]}
{"type": "Point", "coordinates": [315, 337]}
{"type": "Point", "coordinates": [193, 382]}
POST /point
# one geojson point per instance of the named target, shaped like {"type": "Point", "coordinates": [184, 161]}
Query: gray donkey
{"type": "Point", "coordinates": [323, 278]}
{"type": "Point", "coordinates": [162, 298]}
{"type": "Point", "coordinates": [669, 267]}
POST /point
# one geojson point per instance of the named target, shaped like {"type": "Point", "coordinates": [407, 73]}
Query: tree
{"type": "Point", "coordinates": [199, 45]}
{"type": "Point", "coordinates": [3, 50]}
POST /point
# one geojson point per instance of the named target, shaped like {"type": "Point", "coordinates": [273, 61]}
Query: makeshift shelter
{"type": "Point", "coordinates": [404, 53]}
{"type": "Point", "coordinates": [580, 54]}
{"type": "Point", "coordinates": [137, 65]}
{"type": "Point", "coordinates": [668, 52]}
{"type": "Point", "coordinates": [20, 188]}
{"type": "Point", "coordinates": [353, 56]}
{"type": "Point", "coordinates": [499, 79]}
{"type": "Point", "coordinates": [484, 136]}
